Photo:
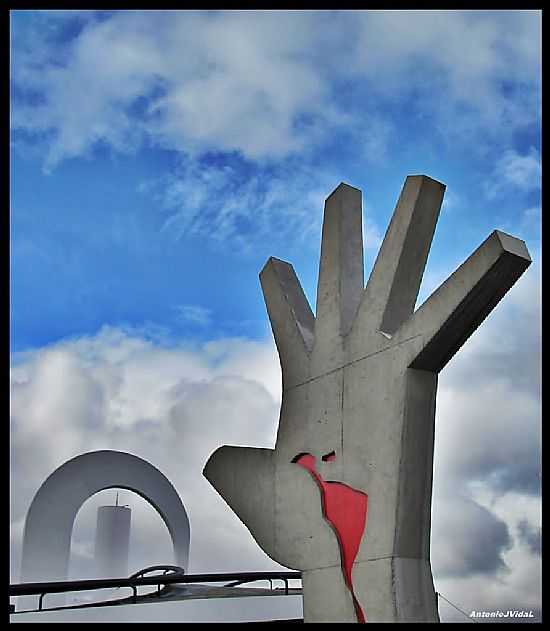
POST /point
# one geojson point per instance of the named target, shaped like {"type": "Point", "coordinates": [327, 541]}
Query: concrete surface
{"type": "Point", "coordinates": [360, 379]}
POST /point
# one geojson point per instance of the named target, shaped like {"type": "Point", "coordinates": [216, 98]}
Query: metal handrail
{"type": "Point", "coordinates": [57, 587]}
{"type": "Point", "coordinates": [270, 579]}
{"type": "Point", "coordinates": [174, 569]}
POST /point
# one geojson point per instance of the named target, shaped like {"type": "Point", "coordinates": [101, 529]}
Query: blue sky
{"type": "Point", "coordinates": [159, 158]}
{"type": "Point", "coordinates": [133, 225]}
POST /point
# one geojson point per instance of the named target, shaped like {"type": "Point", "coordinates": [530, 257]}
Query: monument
{"type": "Point", "coordinates": [345, 496]}
{"type": "Point", "coordinates": [112, 541]}
{"type": "Point", "coordinates": [52, 513]}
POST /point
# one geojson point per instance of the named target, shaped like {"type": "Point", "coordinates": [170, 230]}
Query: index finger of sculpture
{"type": "Point", "coordinates": [455, 310]}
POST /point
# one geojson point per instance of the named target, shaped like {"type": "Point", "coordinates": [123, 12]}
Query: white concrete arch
{"type": "Point", "coordinates": [50, 519]}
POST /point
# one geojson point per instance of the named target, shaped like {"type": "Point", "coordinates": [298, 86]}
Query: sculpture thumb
{"type": "Point", "coordinates": [240, 474]}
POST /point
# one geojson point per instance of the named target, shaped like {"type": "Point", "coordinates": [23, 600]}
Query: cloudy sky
{"type": "Point", "coordinates": [159, 158]}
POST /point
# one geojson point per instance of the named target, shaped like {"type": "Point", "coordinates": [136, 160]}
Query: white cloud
{"type": "Point", "coordinates": [224, 81]}
{"type": "Point", "coordinates": [194, 314]}
{"type": "Point", "coordinates": [533, 216]}
{"type": "Point", "coordinates": [173, 404]}
{"type": "Point", "coordinates": [487, 460]}
{"type": "Point", "coordinates": [515, 172]}
{"type": "Point", "coordinates": [267, 84]}
{"type": "Point", "coordinates": [249, 359]}
{"type": "Point", "coordinates": [379, 135]}
{"type": "Point", "coordinates": [529, 227]}
{"type": "Point", "coordinates": [233, 201]}
{"type": "Point", "coordinates": [450, 200]}
{"type": "Point", "coordinates": [491, 85]}
{"type": "Point", "coordinates": [372, 238]}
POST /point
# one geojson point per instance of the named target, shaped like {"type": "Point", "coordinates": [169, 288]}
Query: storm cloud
{"type": "Point", "coordinates": [530, 536]}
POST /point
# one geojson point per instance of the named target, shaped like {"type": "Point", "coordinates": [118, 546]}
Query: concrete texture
{"type": "Point", "coordinates": [50, 519]}
{"type": "Point", "coordinates": [360, 379]}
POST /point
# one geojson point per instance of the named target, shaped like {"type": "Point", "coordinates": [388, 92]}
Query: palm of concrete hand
{"type": "Point", "coordinates": [359, 380]}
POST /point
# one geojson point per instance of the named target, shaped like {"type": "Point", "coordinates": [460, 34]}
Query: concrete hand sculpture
{"type": "Point", "coordinates": [358, 409]}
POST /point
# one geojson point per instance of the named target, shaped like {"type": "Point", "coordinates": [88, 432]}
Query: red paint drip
{"type": "Point", "coordinates": [345, 509]}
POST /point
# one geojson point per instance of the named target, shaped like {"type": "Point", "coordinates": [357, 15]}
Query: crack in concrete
{"type": "Point", "coordinates": [352, 362]}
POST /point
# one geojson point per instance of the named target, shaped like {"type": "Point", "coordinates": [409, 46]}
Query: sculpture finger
{"type": "Point", "coordinates": [393, 285]}
{"type": "Point", "coordinates": [245, 478]}
{"type": "Point", "coordinates": [455, 310]}
{"type": "Point", "coordinates": [291, 319]}
{"type": "Point", "coordinates": [341, 266]}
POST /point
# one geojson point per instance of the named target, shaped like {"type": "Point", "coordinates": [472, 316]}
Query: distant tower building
{"type": "Point", "coordinates": [112, 541]}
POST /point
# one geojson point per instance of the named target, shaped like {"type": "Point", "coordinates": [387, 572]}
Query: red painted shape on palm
{"type": "Point", "coordinates": [345, 509]}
